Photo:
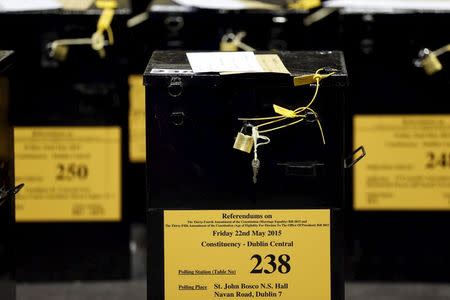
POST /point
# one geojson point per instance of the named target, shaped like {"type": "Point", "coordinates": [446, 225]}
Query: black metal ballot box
{"type": "Point", "coordinates": [70, 123]}
{"type": "Point", "coordinates": [400, 195]}
{"type": "Point", "coordinates": [281, 27]}
{"type": "Point", "coordinates": [197, 123]}
{"type": "Point", "coordinates": [171, 26]}
{"type": "Point", "coordinates": [7, 187]}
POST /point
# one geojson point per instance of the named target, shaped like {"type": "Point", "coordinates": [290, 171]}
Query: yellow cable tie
{"type": "Point", "coordinates": [311, 78]}
{"type": "Point", "coordinates": [442, 50]}
{"type": "Point", "coordinates": [106, 4]}
{"type": "Point", "coordinates": [282, 126]}
{"type": "Point", "coordinates": [260, 119]}
{"type": "Point", "coordinates": [105, 20]}
{"type": "Point", "coordinates": [316, 92]}
{"type": "Point", "coordinates": [318, 123]}
{"type": "Point", "coordinates": [104, 24]}
{"type": "Point", "coordinates": [289, 114]}
{"type": "Point", "coordinates": [298, 121]}
{"type": "Point", "coordinates": [271, 122]}
{"type": "Point", "coordinates": [321, 131]}
{"type": "Point", "coordinates": [110, 36]}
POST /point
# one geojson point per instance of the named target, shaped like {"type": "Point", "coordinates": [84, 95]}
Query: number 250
{"type": "Point", "coordinates": [283, 267]}
{"type": "Point", "coordinates": [71, 171]}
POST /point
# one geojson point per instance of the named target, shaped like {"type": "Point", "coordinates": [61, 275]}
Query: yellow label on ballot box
{"type": "Point", "coordinates": [262, 254]}
{"type": "Point", "coordinates": [407, 165]}
{"type": "Point", "coordinates": [137, 119]}
{"type": "Point", "coordinates": [70, 173]}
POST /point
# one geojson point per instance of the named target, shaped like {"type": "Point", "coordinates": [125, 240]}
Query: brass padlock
{"type": "Point", "coordinates": [226, 46]}
{"type": "Point", "coordinates": [243, 142]}
{"type": "Point", "coordinates": [59, 52]}
{"type": "Point", "coordinates": [228, 43]}
{"type": "Point", "coordinates": [431, 64]}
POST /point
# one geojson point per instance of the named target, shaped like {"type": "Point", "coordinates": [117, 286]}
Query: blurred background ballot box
{"type": "Point", "coordinates": [400, 203]}
{"type": "Point", "coordinates": [7, 186]}
{"type": "Point", "coordinates": [70, 116]}
{"type": "Point", "coordinates": [169, 25]}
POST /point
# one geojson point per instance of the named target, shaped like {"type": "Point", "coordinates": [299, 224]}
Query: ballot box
{"type": "Point", "coordinates": [69, 113]}
{"type": "Point", "coordinates": [234, 156]}
{"type": "Point", "coordinates": [7, 187]}
{"type": "Point", "coordinates": [400, 206]}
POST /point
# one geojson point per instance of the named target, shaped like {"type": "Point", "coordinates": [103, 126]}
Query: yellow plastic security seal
{"type": "Point", "coordinates": [104, 24]}
{"type": "Point", "coordinates": [233, 42]}
{"type": "Point", "coordinates": [305, 4]}
{"type": "Point", "coordinates": [299, 113]}
{"type": "Point", "coordinates": [284, 111]}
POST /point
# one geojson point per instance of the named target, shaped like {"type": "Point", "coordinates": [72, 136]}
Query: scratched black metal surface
{"type": "Point", "coordinates": [297, 62]}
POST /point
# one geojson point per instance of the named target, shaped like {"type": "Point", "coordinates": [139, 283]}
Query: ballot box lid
{"type": "Point", "coordinates": [280, 7]}
{"type": "Point", "coordinates": [165, 65]}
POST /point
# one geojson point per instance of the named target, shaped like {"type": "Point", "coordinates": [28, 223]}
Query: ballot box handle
{"type": "Point", "coordinates": [351, 160]}
{"type": "Point", "coordinates": [6, 195]}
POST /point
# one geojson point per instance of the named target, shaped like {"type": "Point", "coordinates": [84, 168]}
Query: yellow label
{"type": "Point", "coordinates": [407, 166]}
{"type": "Point", "coordinates": [305, 79]}
{"type": "Point", "coordinates": [70, 173]}
{"type": "Point", "coordinates": [271, 63]}
{"type": "Point", "coordinates": [283, 254]}
{"type": "Point", "coordinates": [284, 111]}
{"type": "Point", "coordinates": [137, 119]}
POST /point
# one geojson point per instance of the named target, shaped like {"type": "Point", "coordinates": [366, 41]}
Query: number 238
{"type": "Point", "coordinates": [282, 264]}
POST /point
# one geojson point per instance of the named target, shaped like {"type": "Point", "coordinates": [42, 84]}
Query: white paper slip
{"type": "Point", "coordinates": [270, 63]}
{"type": "Point", "coordinates": [227, 4]}
{"type": "Point", "coordinates": [29, 5]}
{"type": "Point", "coordinates": [390, 5]}
{"type": "Point", "coordinates": [218, 62]}
{"type": "Point", "coordinates": [76, 4]}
